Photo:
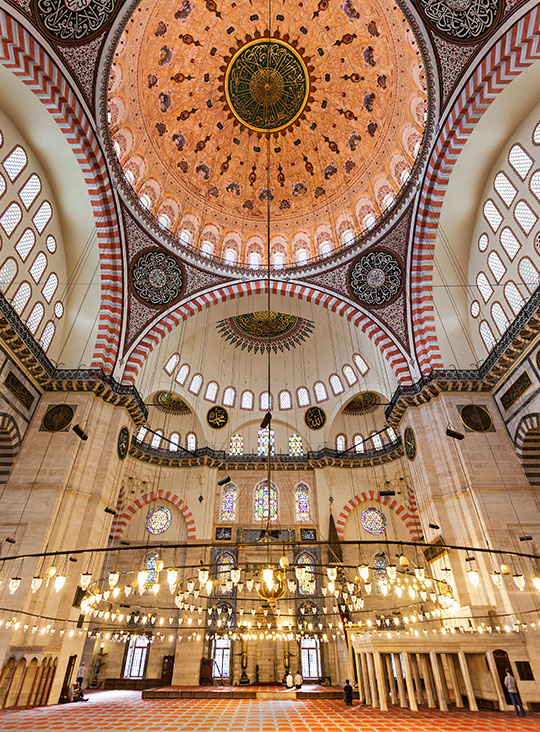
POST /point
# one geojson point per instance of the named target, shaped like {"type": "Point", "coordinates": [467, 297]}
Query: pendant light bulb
{"type": "Point", "coordinates": [472, 575]}
{"type": "Point", "coordinates": [59, 582]}
{"type": "Point", "coordinates": [13, 585]}
{"type": "Point", "coordinates": [235, 575]}
{"type": "Point", "coordinates": [419, 573]}
{"type": "Point", "coordinates": [268, 577]}
{"type": "Point", "coordinates": [367, 588]}
{"type": "Point", "coordinates": [142, 577]}
{"type": "Point", "coordinates": [155, 588]}
{"type": "Point", "coordinates": [284, 562]}
{"type": "Point", "coordinates": [203, 575]}
{"type": "Point", "coordinates": [331, 587]}
{"type": "Point", "coordinates": [249, 584]}
{"type": "Point", "coordinates": [363, 571]}
{"type": "Point", "coordinates": [299, 572]}
{"type": "Point", "coordinates": [113, 579]}
{"type": "Point", "coordinates": [331, 573]}
{"type": "Point", "coordinates": [496, 578]}
{"type": "Point", "coordinates": [36, 583]}
{"type": "Point", "coordinates": [519, 581]}
{"type": "Point", "coordinates": [505, 569]}
{"type": "Point", "coordinates": [51, 572]}
{"type": "Point", "coordinates": [172, 576]}
{"type": "Point", "coordinates": [536, 582]}
{"type": "Point", "coordinates": [209, 587]}
{"type": "Point", "coordinates": [391, 571]}
{"type": "Point", "coordinates": [85, 580]}
{"type": "Point", "coordinates": [190, 586]}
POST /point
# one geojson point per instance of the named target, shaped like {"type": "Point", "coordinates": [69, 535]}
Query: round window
{"type": "Point", "coordinates": [158, 520]}
{"type": "Point", "coordinates": [373, 521]}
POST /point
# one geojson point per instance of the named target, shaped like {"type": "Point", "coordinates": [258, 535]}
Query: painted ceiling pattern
{"type": "Point", "coordinates": [348, 101]}
{"type": "Point", "coordinates": [261, 331]}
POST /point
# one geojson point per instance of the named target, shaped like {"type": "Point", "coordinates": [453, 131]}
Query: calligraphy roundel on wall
{"type": "Point", "coordinates": [57, 418]}
{"type": "Point", "coordinates": [461, 21]}
{"type": "Point", "coordinates": [122, 445]}
{"type": "Point", "coordinates": [157, 278]}
{"type": "Point", "coordinates": [409, 442]}
{"type": "Point", "coordinates": [315, 418]}
{"type": "Point", "coordinates": [376, 278]}
{"type": "Point", "coordinates": [476, 418]}
{"type": "Point", "coordinates": [74, 21]}
{"type": "Point", "coordinates": [217, 417]}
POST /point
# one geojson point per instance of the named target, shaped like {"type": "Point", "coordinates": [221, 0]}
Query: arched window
{"type": "Point", "coordinates": [359, 443]}
{"type": "Point", "coordinates": [492, 215]}
{"type": "Point", "coordinates": [141, 434]}
{"type": "Point", "coordinates": [349, 375]}
{"type": "Point", "coordinates": [35, 318]}
{"type": "Point", "coordinates": [211, 391]}
{"type": "Point", "coordinates": [285, 400]}
{"type": "Point", "coordinates": [302, 502]}
{"type": "Point", "coordinates": [341, 443]}
{"type": "Point", "coordinates": [506, 190]}
{"type": "Point", "coordinates": [361, 365]}
{"type": "Point", "coordinates": [496, 266]}
{"type": "Point", "coordinates": [377, 442]}
{"type": "Point", "coordinates": [184, 237]}
{"type": "Point", "coordinates": [182, 374]}
{"type": "Point", "coordinates": [30, 191]}
{"type": "Point", "coordinates": [509, 242]}
{"type": "Point", "coordinates": [42, 216]}
{"type": "Point", "coordinates": [296, 445]}
{"type": "Point", "coordinates": [229, 396]}
{"type": "Point", "coordinates": [229, 495]}
{"type": "Point", "coordinates": [306, 586]}
{"type": "Point", "coordinates": [196, 383]}
{"type": "Point", "coordinates": [171, 363]}
{"type": "Point", "coordinates": [535, 184]}
{"type": "Point", "coordinates": [347, 237]}
{"type": "Point", "coordinates": [156, 438]}
{"type": "Point", "coordinates": [265, 400]}
{"type": "Point", "coordinates": [487, 336]}
{"type": "Point", "coordinates": [529, 274]}
{"type": "Point", "coordinates": [15, 162]}
{"type": "Point", "coordinates": [230, 256]}
{"type": "Point", "coordinates": [207, 248]}
{"type": "Point", "coordinates": [520, 161]}
{"type": "Point", "coordinates": [164, 220]}
{"type": "Point", "coordinates": [58, 309]}
{"type": "Point", "coordinates": [387, 201]}
{"type": "Point", "coordinates": [499, 316]}
{"type": "Point", "coordinates": [21, 297]}
{"type": "Point", "coordinates": [302, 396]}
{"type": "Point", "coordinates": [47, 336]}
{"type": "Point", "coordinates": [191, 441]}
{"type": "Point", "coordinates": [10, 218]}
{"type": "Point", "coordinates": [326, 248]}
{"type": "Point", "coordinates": [482, 282]}
{"type": "Point", "coordinates": [25, 244]}
{"type": "Point", "coordinates": [174, 442]}
{"type": "Point", "coordinates": [265, 442]}
{"type": "Point", "coordinates": [247, 400]}
{"type": "Point", "coordinates": [51, 244]}
{"type": "Point", "coordinates": [144, 198]}
{"type": "Point", "coordinates": [278, 260]}
{"type": "Point", "coordinates": [336, 385]}
{"type": "Point", "coordinates": [236, 444]}
{"type": "Point", "coordinates": [7, 273]}
{"type": "Point", "coordinates": [513, 297]}
{"type": "Point", "coordinates": [301, 256]}
{"type": "Point", "coordinates": [266, 502]}
{"type": "Point", "coordinates": [38, 267]}
{"type": "Point", "coordinates": [225, 564]}
{"type": "Point", "coordinates": [525, 216]}
{"type": "Point", "coordinates": [50, 286]}
{"type": "Point", "coordinates": [320, 391]}
{"type": "Point", "coordinates": [129, 177]}
{"type": "Point", "coordinates": [368, 221]}
{"type": "Point", "coordinates": [254, 260]}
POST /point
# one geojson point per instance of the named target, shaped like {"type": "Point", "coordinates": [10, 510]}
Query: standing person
{"type": "Point", "coordinates": [298, 680]}
{"type": "Point", "coordinates": [510, 683]}
{"type": "Point", "coordinates": [348, 692]}
{"type": "Point", "coordinates": [80, 675]}
{"type": "Point", "coordinates": [289, 682]}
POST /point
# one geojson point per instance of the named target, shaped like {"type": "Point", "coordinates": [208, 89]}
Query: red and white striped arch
{"type": "Point", "coordinates": [21, 53]}
{"type": "Point", "coordinates": [409, 516]}
{"type": "Point", "coordinates": [514, 51]}
{"type": "Point", "coordinates": [121, 520]}
{"type": "Point", "coordinates": [395, 357]}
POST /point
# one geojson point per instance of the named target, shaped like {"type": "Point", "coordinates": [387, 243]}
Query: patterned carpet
{"type": "Point", "coordinates": [125, 711]}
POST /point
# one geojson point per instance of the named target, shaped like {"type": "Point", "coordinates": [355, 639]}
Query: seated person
{"type": "Point", "coordinates": [78, 694]}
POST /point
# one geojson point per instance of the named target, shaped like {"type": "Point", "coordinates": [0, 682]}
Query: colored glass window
{"type": "Point", "coordinates": [266, 502]}
{"type": "Point", "coordinates": [302, 502]}
{"type": "Point", "coordinates": [373, 521]}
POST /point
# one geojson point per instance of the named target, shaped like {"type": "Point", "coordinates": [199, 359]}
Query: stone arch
{"type": "Point", "coordinates": [23, 55]}
{"type": "Point", "coordinates": [15, 683]}
{"type": "Point", "coordinates": [10, 442]}
{"type": "Point", "coordinates": [346, 309]}
{"type": "Point", "coordinates": [407, 515]}
{"type": "Point", "coordinates": [28, 683]}
{"type": "Point", "coordinates": [121, 520]}
{"type": "Point", "coordinates": [5, 678]}
{"type": "Point", "coordinates": [527, 443]}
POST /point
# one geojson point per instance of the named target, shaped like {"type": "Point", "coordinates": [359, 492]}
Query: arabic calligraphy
{"type": "Point", "coordinates": [315, 418]}
{"type": "Point", "coordinates": [267, 85]}
{"type": "Point", "coordinates": [74, 21]}
{"type": "Point", "coordinates": [466, 24]}
{"type": "Point", "coordinates": [376, 278]}
{"type": "Point", "coordinates": [217, 417]}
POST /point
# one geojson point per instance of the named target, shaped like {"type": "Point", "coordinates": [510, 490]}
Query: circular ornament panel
{"type": "Point", "coordinates": [476, 418]}
{"type": "Point", "coordinates": [217, 417]}
{"type": "Point", "coordinates": [157, 278]}
{"type": "Point", "coordinates": [122, 445]}
{"type": "Point", "coordinates": [376, 278]}
{"type": "Point", "coordinates": [74, 21]}
{"type": "Point", "coordinates": [461, 21]}
{"type": "Point", "coordinates": [315, 418]}
{"type": "Point", "coordinates": [409, 442]}
{"type": "Point", "coordinates": [158, 520]}
{"type": "Point", "coordinates": [169, 401]}
{"type": "Point", "coordinates": [373, 521]}
{"type": "Point", "coordinates": [364, 403]}
{"type": "Point", "coordinates": [57, 418]}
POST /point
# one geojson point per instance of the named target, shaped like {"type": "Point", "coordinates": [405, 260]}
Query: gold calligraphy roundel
{"type": "Point", "coordinates": [409, 441]}
{"type": "Point", "coordinates": [217, 417]}
{"type": "Point", "coordinates": [267, 85]}
{"type": "Point", "coordinates": [476, 418]}
{"type": "Point", "coordinates": [315, 418]}
{"type": "Point", "coordinates": [57, 418]}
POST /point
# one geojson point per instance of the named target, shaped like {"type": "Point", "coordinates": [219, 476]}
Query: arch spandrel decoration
{"type": "Point", "coordinates": [529, 459]}
{"type": "Point", "coordinates": [121, 520]}
{"type": "Point", "coordinates": [408, 515]}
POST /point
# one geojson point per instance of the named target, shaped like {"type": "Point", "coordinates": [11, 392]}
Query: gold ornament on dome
{"type": "Point", "coordinates": [262, 331]}
{"type": "Point", "coordinates": [276, 592]}
{"type": "Point", "coordinates": [364, 403]}
{"type": "Point", "coordinates": [263, 324]}
{"type": "Point", "coordinates": [168, 401]}
{"type": "Point", "coordinates": [315, 418]}
{"type": "Point", "coordinates": [217, 417]}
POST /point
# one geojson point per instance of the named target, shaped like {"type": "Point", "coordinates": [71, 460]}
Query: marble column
{"type": "Point", "coordinates": [365, 679]}
{"type": "Point", "coordinates": [427, 682]}
{"type": "Point", "coordinates": [416, 677]}
{"type": "Point", "coordinates": [439, 683]}
{"type": "Point", "coordinates": [381, 683]}
{"type": "Point", "coordinates": [443, 678]}
{"type": "Point", "coordinates": [372, 680]}
{"type": "Point", "coordinates": [391, 679]}
{"type": "Point", "coordinates": [400, 682]}
{"type": "Point", "coordinates": [454, 679]}
{"type": "Point", "coordinates": [501, 701]}
{"type": "Point", "coordinates": [413, 706]}
{"type": "Point", "coordinates": [473, 706]}
{"type": "Point", "coordinates": [358, 666]}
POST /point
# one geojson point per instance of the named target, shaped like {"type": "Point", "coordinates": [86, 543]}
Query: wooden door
{"type": "Point", "coordinates": [64, 698]}
{"type": "Point", "coordinates": [167, 670]}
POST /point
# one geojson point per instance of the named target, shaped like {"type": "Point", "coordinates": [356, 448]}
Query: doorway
{"type": "Point", "coordinates": [311, 659]}
{"type": "Point", "coordinates": [502, 662]}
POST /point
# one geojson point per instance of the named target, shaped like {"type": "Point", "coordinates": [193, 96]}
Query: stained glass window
{"type": "Point", "coordinates": [224, 565]}
{"type": "Point", "coordinates": [228, 502]}
{"type": "Point", "coordinates": [306, 584]}
{"type": "Point", "coordinates": [236, 444]}
{"type": "Point", "coordinates": [379, 570]}
{"type": "Point", "coordinates": [296, 445]}
{"type": "Point", "coordinates": [158, 520]}
{"type": "Point", "coordinates": [266, 502]}
{"type": "Point", "coordinates": [373, 521]}
{"type": "Point", "coordinates": [265, 442]}
{"type": "Point", "coordinates": [302, 502]}
{"type": "Point", "coordinates": [150, 564]}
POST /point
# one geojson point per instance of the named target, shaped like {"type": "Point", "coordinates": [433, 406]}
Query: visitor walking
{"type": "Point", "coordinates": [80, 675]}
{"type": "Point", "coordinates": [348, 692]}
{"type": "Point", "coordinates": [298, 680]}
{"type": "Point", "coordinates": [510, 683]}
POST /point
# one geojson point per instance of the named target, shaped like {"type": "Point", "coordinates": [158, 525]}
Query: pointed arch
{"type": "Point", "coordinates": [120, 521]}
{"type": "Point", "coordinates": [408, 515]}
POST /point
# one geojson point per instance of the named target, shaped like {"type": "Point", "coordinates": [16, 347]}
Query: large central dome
{"type": "Point", "coordinates": [201, 96]}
